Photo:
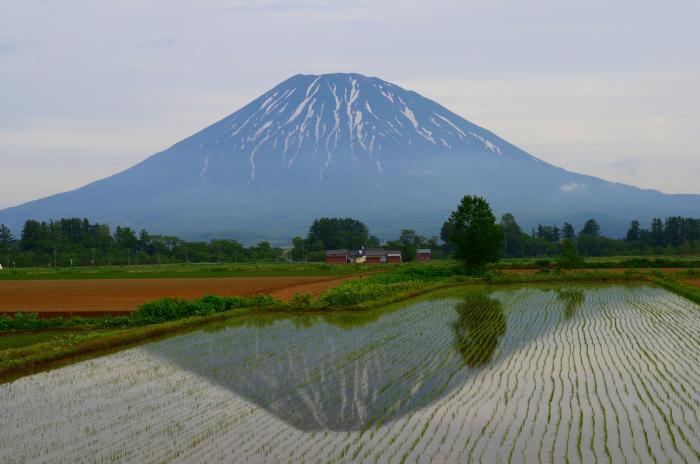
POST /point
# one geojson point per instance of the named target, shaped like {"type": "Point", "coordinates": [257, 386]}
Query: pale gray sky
{"type": "Point", "coordinates": [605, 88]}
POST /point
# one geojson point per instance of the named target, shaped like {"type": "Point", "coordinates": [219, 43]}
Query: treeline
{"type": "Point", "coordinates": [672, 236]}
{"type": "Point", "coordinates": [78, 242]}
{"type": "Point", "coordinates": [347, 233]}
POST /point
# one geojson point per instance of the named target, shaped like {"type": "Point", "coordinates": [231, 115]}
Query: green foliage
{"type": "Point", "coordinates": [161, 310]}
{"type": "Point", "coordinates": [591, 245]}
{"type": "Point", "coordinates": [549, 233]}
{"type": "Point", "coordinates": [409, 242]}
{"type": "Point", "coordinates": [513, 236]}
{"type": "Point", "coordinates": [301, 300]}
{"type": "Point", "coordinates": [477, 238]}
{"type": "Point", "coordinates": [567, 232]}
{"type": "Point", "coordinates": [590, 229]}
{"type": "Point", "coordinates": [169, 309]}
{"type": "Point", "coordinates": [687, 291]}
{"type": "Point", "coordinates": [570, 256]}
{"type": "Point", "coordinates": [337, 233]}
{"type": "Point", "coordinates": [332, 234]}
{"type": "Point", "coordinates": [32, 321]}
{"type": "Point", "coordinates": [403, 279]}
{"type": "Point", "coordinates": [6, 238]}
{"type": "Point", "coordinates": [77, 242]}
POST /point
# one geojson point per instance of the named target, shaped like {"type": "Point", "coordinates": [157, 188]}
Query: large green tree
{"type": "Point", "coordinates": [513, 236]}
{"type": "Point", "coordinates": [336, 233]}
{"type": "Point", "coordinates": [473, 231]}
{"type": "Point", "coordinates": [5, 235]}
{"type": "Point", "coordinates": [634, 232]}
{"type": "Point", "coordinates": [567, 232]}
{"type": "Point", "coordinates": [591, 228]}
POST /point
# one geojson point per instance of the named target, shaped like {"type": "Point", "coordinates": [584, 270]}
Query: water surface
{"type": "Point", "coordinates": [583, 373]}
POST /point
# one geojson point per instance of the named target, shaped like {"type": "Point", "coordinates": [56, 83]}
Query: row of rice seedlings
{"type": "Point", "coordinates": [658, 361]}
{"type": "Point", "coordinates": [483, 389]}
{"type": "Point", "coordinates": [421, 428]}
{"type": "Point", "coordinates": [434, 371]}
{"type": "Point", "coordinates": [493, 429]}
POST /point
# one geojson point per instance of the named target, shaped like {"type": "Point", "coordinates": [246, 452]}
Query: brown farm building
{"type": "Point", "coordinates": [369, 255]}
{"type": "Point", "coordinates": [337, 256]}
{"type": "Point", "coordinates": [424, 254]}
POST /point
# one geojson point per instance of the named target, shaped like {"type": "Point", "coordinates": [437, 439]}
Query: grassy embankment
{"type": "Point", "coordinates": [29, 344]}
{"type": "Point", "coordinates": [285, 269]}
{"type": "Point", "coordinates": [605, 262]}
{"type": "Point", "coordinates": [170, 271]}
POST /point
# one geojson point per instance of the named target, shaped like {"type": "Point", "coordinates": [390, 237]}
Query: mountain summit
{"type": "Point", "coordinates": [342, 145]}
{"type": "Point", "coordinates": [315, 125]}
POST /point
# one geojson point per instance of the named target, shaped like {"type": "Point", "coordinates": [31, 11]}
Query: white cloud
{"type": "Point", "coordinates": [572, 186]}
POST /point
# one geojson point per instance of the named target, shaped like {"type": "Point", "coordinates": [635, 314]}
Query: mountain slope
{"type": "Point", "coordinates": [342, 145]}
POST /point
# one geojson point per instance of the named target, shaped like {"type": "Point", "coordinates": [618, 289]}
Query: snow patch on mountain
{"type": "Point", "coordinates": [317, 120]}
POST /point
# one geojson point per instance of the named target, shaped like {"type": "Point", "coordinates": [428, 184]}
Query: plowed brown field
{"type": "Point", "coordinates": [122, 296]}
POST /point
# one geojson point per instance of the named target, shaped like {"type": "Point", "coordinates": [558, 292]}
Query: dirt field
{"type": "Point", "coordinates": [83, 297]}
{"type": "Point", "coordinates": [694, 282]}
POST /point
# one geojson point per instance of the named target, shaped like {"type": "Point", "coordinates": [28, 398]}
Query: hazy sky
{"type": "Point", "coordinates": [608, 88]}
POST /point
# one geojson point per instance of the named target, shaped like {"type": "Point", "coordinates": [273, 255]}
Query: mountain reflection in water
{"type": "Point", "coordinates": [345, 371]}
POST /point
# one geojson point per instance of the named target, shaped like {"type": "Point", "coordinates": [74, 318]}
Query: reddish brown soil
{"type": "Point", "coordinates": [122, 296]}
{"type": "Point", "coordinates": [693, 282]}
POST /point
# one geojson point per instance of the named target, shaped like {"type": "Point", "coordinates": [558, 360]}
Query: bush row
{"type": "Point", "coordinates": [169, 309]}
{"type": "Point", "coordinates": [164, 309]}
{"type": "Point", "coordinates": [378, 286]}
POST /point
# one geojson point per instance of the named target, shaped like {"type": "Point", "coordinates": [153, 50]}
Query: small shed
{"type": "Point", "coordinates": [375, 255]}
{"type": "Point", "coordinates": [424, 254]}
{"type": "Point", "coordinates": [337, 256]}
{"type": "Point", "coordinates": [393, 256]}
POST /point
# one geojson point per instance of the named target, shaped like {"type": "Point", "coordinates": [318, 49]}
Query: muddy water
{"type": "Point", "coordinates": [531, 374]}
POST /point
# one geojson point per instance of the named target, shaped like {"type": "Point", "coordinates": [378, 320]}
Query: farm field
{"type": "Point", "coordinates": [120, 296]}
{"type": "Point", "coordinates": [175, 271]}
{"type": "Point", "coordinates": [554, 373]}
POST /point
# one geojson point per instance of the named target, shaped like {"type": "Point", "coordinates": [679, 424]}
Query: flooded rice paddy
{"type": "Point", "coordinates": [515, 374]}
